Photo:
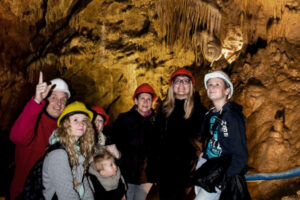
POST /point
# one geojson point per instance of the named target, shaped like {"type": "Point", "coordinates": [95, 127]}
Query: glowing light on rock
{"type": "Point", "coordinates": [232, 44]}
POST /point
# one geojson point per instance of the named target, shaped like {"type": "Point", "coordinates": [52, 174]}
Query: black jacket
{"type": "Point", "coordinates": [135, 137]}
{"type": "Point", "coordinates": [213, 174]}
{"type": "Point", "coordinates": [178, 154]}
{"type": "Point", "coordinates": [231, 136]}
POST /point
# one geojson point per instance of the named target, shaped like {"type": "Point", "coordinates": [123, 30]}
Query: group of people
{"type": "Point", "coordinates": [144, 149]}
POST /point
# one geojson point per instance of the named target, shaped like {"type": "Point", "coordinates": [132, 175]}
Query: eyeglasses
{"type": "Point", "coordinates": [183, 81]}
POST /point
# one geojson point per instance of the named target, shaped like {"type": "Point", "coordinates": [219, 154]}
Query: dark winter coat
{"type": "Point", "coordinates": [177, 150]}
{"type": "Point", "coordinates": [213, 174]}
{"type": "Point", "coordinates": [135, 137]}
{"type": "Point", "coordinates": [235, 188]}
{"type": "Point", "coordinates": [231, 136]}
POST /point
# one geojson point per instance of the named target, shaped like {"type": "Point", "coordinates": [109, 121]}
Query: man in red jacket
{"type": "Point", "coordinates": [34, 126]}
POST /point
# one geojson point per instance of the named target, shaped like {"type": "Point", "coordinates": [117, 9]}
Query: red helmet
{"type": "Point", "coordinates": [145, 88]}
{"type": "Point", "coordinates": [184, 72]}
{"type": "Point", "coordinates": [100, 111]}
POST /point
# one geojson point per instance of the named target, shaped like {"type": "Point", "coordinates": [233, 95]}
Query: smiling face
{"type": "Point", "coordinates": [217, 90]}
{"type": "Point", "coordinates": [78, 124]}
{"type": "Point", "coordinates": [56, 103]}
{"type": "Point", "coordinates": [143, 103]}
{"type": "Point", "coordinates": [99, 123]}
{"type": "Point", "coordinates": [181, 85]}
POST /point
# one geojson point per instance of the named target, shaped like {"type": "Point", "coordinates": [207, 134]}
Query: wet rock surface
{"type": "Point", "coordinates": [104, 49]}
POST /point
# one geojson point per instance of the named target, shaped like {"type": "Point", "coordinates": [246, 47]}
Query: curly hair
{"type": "Point", "coordinates": [86, 142]}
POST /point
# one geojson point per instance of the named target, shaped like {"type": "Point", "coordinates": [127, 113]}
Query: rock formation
{"type": "Point", "coordinates": [105, 48]}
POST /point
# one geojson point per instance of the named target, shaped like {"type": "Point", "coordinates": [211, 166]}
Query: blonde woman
{"type": "Point", "coordinates": [64, 168]}
{"type": "Point", "coordinates": [179, 122]}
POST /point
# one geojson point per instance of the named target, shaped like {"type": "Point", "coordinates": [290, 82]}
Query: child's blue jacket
{"type": "Point", "coordinates": [231, 136]}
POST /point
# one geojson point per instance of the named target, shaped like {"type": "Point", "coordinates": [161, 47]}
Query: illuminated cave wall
{"type": "Point", "coordinates": [104, 49]}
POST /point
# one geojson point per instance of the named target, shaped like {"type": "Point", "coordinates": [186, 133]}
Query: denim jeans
{"type": "Point", "coordinates": [138, 192]}
{"type": "Point", "coordinates": [202, 194]}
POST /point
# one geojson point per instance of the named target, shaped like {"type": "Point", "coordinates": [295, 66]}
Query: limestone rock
{"type": "Point", "coordinates": [104, 49]}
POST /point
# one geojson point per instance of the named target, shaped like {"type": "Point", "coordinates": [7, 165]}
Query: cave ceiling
{"type": "Point", "coordinates": [105, 48]}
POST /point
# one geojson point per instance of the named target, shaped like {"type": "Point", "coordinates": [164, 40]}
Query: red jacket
{"type": "Point", "coordinates": [30, 133]}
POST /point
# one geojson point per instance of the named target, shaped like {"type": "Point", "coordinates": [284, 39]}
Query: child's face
{"type": "Point", "coordinates": [78, 124]}
{"type": "Point", "coordinates": [181, 87]}
{"type": "Point", "coordinates": [216, 89]}
{"type": "Point", "coordinates": [99, 121]}
{"type": "Point", "coordinates": [108, 169]}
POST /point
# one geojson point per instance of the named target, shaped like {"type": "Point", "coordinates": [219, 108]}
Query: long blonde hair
{"type": "Point", "coordinates": [169, 103]}
{"type": "Point", "coordinates": [86, 142]}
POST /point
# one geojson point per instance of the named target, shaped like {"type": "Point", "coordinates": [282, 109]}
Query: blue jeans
{"type": "Point", "coordinates": [138, 192]}
{"type": "Point", "coordinates": [202, 194]}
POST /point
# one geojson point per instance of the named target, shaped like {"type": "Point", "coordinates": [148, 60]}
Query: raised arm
{"type": "Point", "coordinates": [23, 130]}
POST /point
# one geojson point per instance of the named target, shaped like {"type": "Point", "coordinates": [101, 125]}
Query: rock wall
{"type": "Point", "coordinates": [105, 48]}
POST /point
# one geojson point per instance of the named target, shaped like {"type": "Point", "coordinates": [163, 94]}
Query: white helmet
{"type": "Point", "coordinates": [222, 75]}
{"type": "Point", "coordinates": [61, 85]}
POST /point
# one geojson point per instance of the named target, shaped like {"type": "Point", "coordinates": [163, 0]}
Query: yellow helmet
{"type": "Point", "coordinates": [74, 108]}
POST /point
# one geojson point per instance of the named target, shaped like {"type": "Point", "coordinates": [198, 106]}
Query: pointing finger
{"type": "Point", "coordinates": [41, 77]}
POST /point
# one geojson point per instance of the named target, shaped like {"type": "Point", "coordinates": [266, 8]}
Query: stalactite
{"type": "Point", "coordinates": [279, 27]}
{"type": "Point", "coordinates": [180, 19]}
{"type": "Point", "coordinates": [273, 8]}
{"type": "Point", "coordinates": [207, 45]}
{"type": "Point", "coordinates": [277, 6]}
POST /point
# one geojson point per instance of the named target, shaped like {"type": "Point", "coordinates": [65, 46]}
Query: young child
{"type": "Point", "coordinates": [224, 134]}
{"type": "Point", "coordinates": [105, 177]}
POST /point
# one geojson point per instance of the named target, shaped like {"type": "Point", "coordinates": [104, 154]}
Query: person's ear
{"type": "Point", "coordinates": [227, 91]}
{"type": "Point", "coordinates": [136, 101]}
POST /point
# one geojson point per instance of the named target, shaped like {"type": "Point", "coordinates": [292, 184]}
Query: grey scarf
{"type": "Point", "coordinates": [109, 183]}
